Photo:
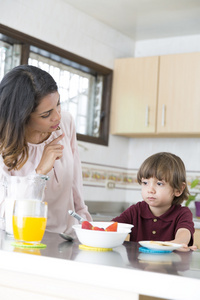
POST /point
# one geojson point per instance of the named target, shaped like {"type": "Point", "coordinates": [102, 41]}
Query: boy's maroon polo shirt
{"type": "Point", "coordinates": [162, 228]}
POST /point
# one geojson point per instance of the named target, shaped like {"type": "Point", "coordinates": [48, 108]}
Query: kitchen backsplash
{"type": "Point", "coordinates": [108, 176]}
{"type": "Point", "coordinates": [113, 180]}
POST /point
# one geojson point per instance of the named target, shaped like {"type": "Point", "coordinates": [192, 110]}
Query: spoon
{"type": "Point", "coordinates": [66, 237]}
{"type": "Point", "coordinates": [76, 216]}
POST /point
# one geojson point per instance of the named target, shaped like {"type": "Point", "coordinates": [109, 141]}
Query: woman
{"type": "Point", "coordinates": [35, 139]}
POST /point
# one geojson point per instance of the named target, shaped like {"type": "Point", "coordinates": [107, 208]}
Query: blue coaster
{"type": "Point", "coordinates": [146, 250]}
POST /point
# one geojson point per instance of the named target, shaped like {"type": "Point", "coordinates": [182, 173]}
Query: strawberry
{"type": "Point", "coordinates": [112, 227]}
{"type": "Point", "coordinates": [98, 228]}
{"type": "Point", "coordinates": [87, 225]}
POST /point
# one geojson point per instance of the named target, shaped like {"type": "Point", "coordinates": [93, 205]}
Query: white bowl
{"type": "Point", "coordinates": [102, 239]}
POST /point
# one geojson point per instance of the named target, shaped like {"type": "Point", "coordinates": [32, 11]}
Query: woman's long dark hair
{"type": "Point", "coordinates": [21, 91]}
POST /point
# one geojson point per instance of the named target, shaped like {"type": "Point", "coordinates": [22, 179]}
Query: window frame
{"type": "Point", "coordinates": [26, 41]}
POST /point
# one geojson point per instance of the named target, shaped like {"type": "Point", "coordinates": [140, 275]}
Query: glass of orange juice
{"type": "Point", "coordinates": [29, 221]}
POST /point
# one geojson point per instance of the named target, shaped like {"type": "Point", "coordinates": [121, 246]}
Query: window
{"type": "Point", "coordinates": [9, 57]}
{"type": "Point", "coordinates": [3, 49]}
{"type": "Point", "coordinates": [84, 87]}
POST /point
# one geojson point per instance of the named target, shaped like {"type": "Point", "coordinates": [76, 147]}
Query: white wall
{"type": "Point", "coordinates": [60, 24]}
{"type": "Point", "coordinates": [183, 44]}
{"type": "Point", "coordinates": [187, 148]}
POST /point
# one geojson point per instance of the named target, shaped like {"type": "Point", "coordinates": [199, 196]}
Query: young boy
{"type": "Point", "coordinates": [160, 216]}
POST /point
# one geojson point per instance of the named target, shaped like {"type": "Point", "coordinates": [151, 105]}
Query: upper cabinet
{"type": "Point", "coordinates": [134, 96]}
{"type": "Point", "coordinates": [156, 96]}
{"type": "Point", "coordinates": [179, 94]}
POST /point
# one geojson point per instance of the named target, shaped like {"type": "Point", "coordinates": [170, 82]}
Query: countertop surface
{"type": "Point", "coordinates": [64, 256]}
{"type": "Point", "coordinates": [127, 256]}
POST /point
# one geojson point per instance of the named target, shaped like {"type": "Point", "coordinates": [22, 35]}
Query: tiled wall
{"type": "Point", "coordinates": [119, 180]}
{"type": "Point", "coordinates": [101, 175]}
{"type": "Point", "coordinates": [113, 177]}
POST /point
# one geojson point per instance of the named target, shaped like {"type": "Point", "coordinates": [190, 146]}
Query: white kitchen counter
{"type": "Point", "coordinates": [63, 271]}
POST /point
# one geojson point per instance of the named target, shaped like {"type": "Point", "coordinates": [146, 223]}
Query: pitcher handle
{"type": "Point", "coordinates": [2, 223]}
{"type": "Point", "coordinates": [2, 215]}
{"type": "Point", "coordinates": [2, 205]}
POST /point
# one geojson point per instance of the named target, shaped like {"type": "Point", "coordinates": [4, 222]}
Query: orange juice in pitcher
{"type": "Point", "coordinates": [29, 221]}
{"type": "Point", "coordinates": [29, 228]}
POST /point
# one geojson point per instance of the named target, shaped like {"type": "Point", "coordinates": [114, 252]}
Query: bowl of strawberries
{"type": "Point", "coordinates": [102, 234]}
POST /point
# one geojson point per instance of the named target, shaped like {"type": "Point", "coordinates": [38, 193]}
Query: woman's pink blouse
{"type": "Point", "coordinates": [64, 188]}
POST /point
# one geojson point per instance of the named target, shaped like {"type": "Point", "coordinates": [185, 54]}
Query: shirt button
{"type": "Point", "coordinates": [154, 232]}
{"type": "Point", "coordinates": [155, 220]}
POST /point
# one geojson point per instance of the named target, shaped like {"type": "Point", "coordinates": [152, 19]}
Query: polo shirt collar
{"type": "Point", "coordinates": [147, 214]}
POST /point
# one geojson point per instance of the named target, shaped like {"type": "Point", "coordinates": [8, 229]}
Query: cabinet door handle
{"type": "Point", "coordinates": [163, 115]}
{"type": "Point", "coordinates": [147, 116]}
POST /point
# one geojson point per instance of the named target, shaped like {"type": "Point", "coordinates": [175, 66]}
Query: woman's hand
{"type": "Point", "coordinates": [52, 151]}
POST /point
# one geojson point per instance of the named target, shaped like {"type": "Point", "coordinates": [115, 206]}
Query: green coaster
{"type": "Point", "coordinates": [26, 245]}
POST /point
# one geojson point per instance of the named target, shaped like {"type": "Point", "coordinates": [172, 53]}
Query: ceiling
{"type": "Point", "coordinates": [145, 19]}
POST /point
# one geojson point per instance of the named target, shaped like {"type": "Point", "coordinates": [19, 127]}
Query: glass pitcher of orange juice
{"type": "Point", "coordinates": [29, 221]}
{"type": "Point", "coordinates": [30, 187]}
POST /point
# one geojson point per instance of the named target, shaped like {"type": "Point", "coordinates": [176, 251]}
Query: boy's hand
{"type": "Point", "coordinates": [186, 248]}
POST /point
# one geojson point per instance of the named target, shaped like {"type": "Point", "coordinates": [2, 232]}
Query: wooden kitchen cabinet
{"type": "Point", "coordinates": [156, 96]}
{"type": "Point", "coordinates": [179, 94]}
{"type": "Point", "coordinates": [197, 238]}
{"type": "Point", "coordinates": [134, 96]}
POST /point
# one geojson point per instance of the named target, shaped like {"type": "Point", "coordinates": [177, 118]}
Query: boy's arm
{"type": "Point", "coordinates": [183, 236]}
